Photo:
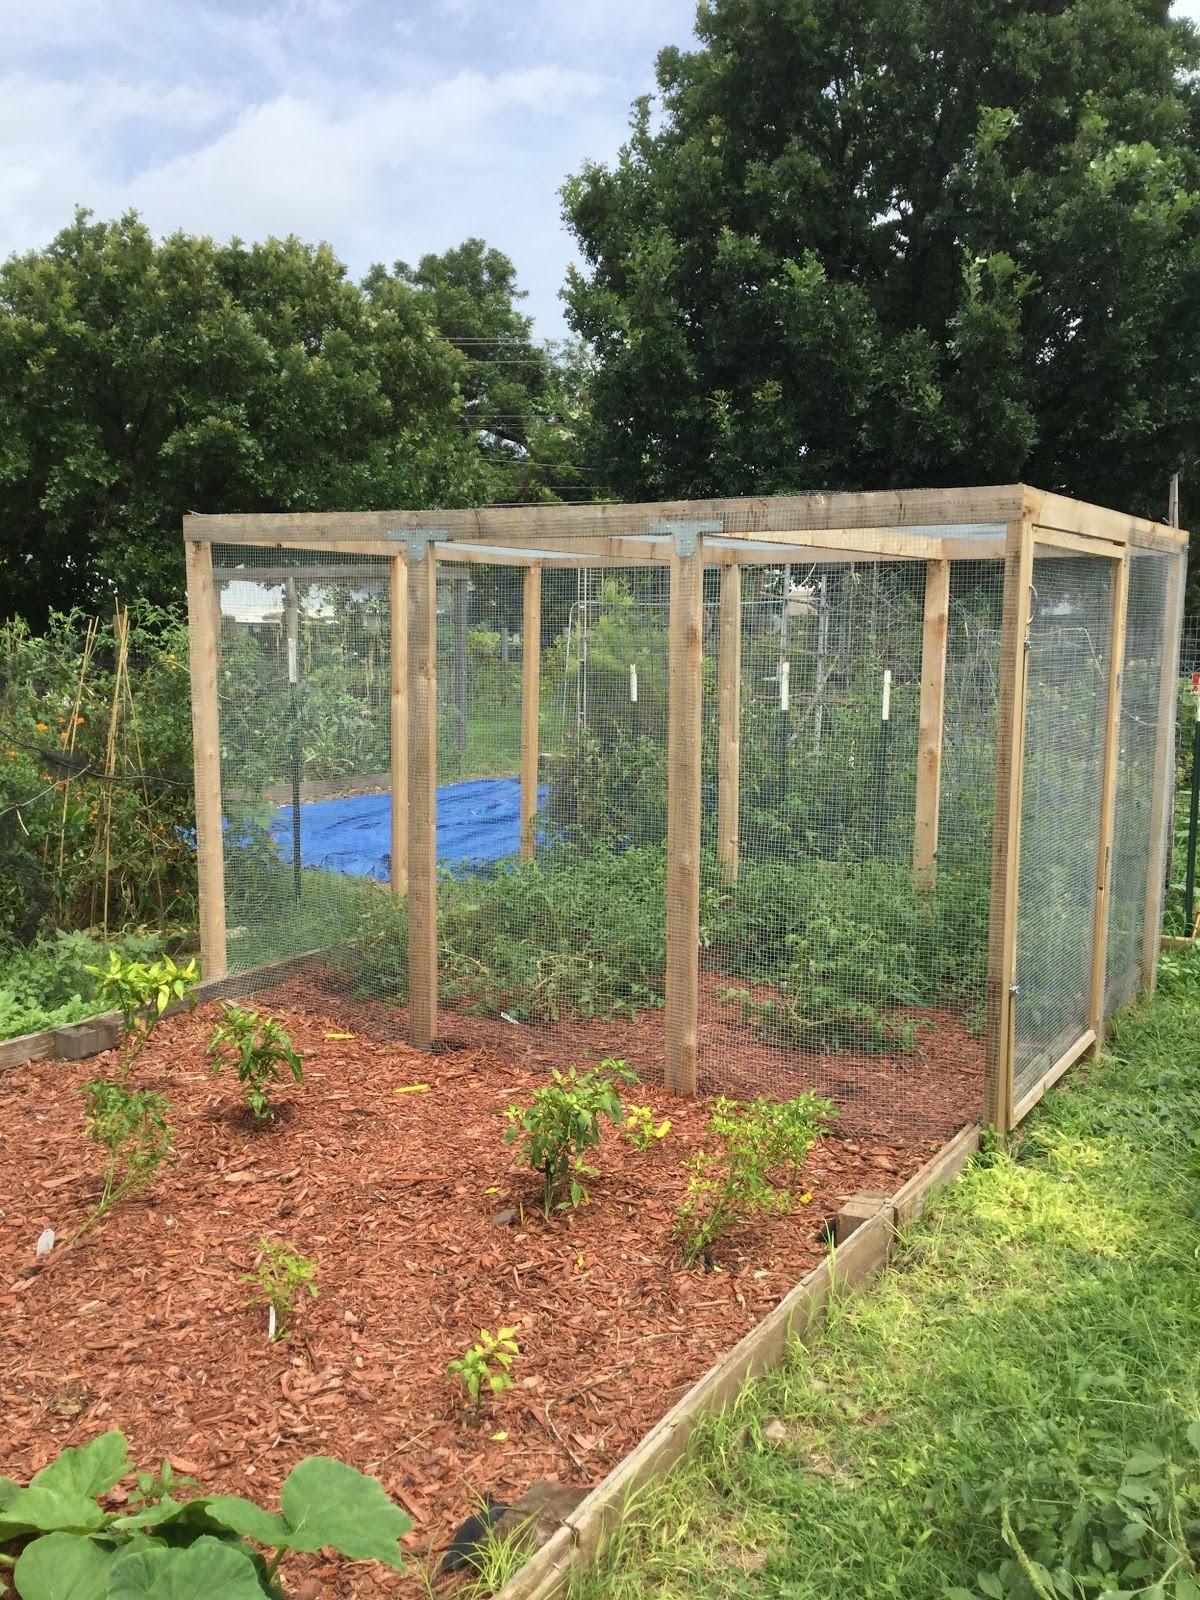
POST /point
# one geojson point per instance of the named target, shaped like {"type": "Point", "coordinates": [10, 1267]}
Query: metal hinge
{"type": "Point", "coordinates": [686, 534]}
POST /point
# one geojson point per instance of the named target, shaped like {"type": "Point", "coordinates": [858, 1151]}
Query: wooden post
{"type": "Point", "coordinates": [1110, 767]}
{"type": "Point", "coordinates": [685, 691]}
{"type": "Point", "coordinates": [398, 628]}
{"type": "Point", "coordinates": [1162, 804]}
{"type": "Point", "coordinates": [204, 644]}
{"type": "Point", "coordinates": [933, 704]}
{"type": "Point", "coordinates": [422, 795]}
{"type": "Point", "coordinates": [729, 713]}
{"type": "Point", "coordinates": [1006, 829]}
{"type": "Point", "coordinates": [531, 667]}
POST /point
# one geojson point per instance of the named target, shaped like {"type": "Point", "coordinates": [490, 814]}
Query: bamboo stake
{"type": "Point", "coordinates": [89, 643]}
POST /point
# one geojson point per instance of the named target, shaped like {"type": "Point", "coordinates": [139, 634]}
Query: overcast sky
{"type": "Point", "coordinates": [389, 129]}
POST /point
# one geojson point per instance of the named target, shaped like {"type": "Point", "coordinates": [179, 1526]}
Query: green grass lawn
{"type": "Point", "coordinates": [1012, 1410]}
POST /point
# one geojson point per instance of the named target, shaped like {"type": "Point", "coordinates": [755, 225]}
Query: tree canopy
{"type": "Point", "coordinates": [140, 380]}
{"type": "Point", "coordinates": [885, 242]}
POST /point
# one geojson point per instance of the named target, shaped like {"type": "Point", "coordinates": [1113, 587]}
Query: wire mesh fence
{"type": "Point", "coordinates": [846, 759]}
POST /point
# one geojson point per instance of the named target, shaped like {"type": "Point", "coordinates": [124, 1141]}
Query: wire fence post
{"type": "Point", "coordinates": [422, 792]}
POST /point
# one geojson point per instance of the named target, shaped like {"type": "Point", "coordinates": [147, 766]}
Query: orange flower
{"type": "Point", "coordinates": [41, 726]}
{"type": "Point", "coordinates": [79, 722]}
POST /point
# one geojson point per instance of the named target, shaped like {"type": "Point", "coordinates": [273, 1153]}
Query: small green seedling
{"type": "Point", "coordinates": [474, 1369]}
{"type": "Point", "coordinates": [281, 1275]}
{"type": "Point", "coordinates": [640, 1128]}
{"type": "Point", "coordinates": [258, 1048]}
{"type": "Point", "coordinates": [131, 1126]}
{"type": "Point", "coordinates": [141, 991]}
{"type": "Point", "coordinates": [563, 1121]}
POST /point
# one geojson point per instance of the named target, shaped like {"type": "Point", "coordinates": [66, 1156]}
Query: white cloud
{"type": "Point", "coordinates": [388, 135]}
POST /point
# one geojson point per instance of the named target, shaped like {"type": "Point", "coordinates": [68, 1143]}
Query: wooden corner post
{"type": "Point", "coordinates": [531, 667]}
{"type": "Point", "coordinates": [933, 706]}
{"type": "Point", "coordinates": [1109, 768]}
{"type": "Point", "coordinates": [684, 778]}
{"type": "Point", "coordinates": [1006, 827]}
{"type": "Point", "coordinates": [398, 630]}
{"type": "Point", "coordinates": [204, 644]}
{"type": "Point", "coordinates": [729, 715]}
{"type": "Point", "coordinates": [1162, 804]}
{"type": "Point", "coordinates": [422, 791]}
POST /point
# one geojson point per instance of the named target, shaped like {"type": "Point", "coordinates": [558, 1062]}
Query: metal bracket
{"type": "Point", "coordinates": [685, 534]}
{"type": "Point", "coordinates": [417, 540]}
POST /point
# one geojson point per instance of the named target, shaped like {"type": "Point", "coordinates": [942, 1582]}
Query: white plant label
{"type": "Point", "coordinates": [633, 683]}
{"type": "Point", "coordinates": [785, 684]}
{"type": "Point", "coordinates": [887, 693]}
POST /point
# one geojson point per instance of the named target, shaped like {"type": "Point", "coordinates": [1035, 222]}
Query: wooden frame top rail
{"type": "Point", "coordinates": [926, 524]}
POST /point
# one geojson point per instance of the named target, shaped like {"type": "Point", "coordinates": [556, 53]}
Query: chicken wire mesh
{"type": "Point", "coordinates": [1133, 823]}
{"type": "Point", "coordinates": [840, 956]}
{"type": "Point", "coordinates": [1066, 707]}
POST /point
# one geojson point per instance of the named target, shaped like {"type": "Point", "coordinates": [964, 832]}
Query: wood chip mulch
{"type": "Point", "coordinates": [401, 1199]}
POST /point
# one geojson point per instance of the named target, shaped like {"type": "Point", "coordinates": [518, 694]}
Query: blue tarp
{"type": "Point", "coordinates": [477, 821]}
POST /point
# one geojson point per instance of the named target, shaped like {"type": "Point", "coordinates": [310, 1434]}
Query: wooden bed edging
{"type": "Point", "coordinates": [75, 1040]}
{"type": "Point", "coordinates": [799, 1315]}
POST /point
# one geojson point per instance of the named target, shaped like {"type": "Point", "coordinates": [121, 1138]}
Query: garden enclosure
{"type": "Point", "coordinates": [864, 793]}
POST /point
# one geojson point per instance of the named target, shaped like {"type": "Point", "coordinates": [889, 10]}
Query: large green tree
{"type": "Point", "coordinates": [525, 400]}
{"type": "Point", "coordinates": [869, 242]}
{"type": "Point", "coordinates": [140, 380]}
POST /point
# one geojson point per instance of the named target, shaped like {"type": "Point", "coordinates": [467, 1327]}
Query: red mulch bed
{"type": "Point", "coordinates": [144, 1324]}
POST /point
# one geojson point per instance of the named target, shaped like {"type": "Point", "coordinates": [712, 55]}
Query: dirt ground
{"type": "Point", "coordinates": [403, 1201]}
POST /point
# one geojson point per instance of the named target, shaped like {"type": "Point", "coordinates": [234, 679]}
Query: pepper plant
{"type": "Point", "coordinates": [562, 1122]}
{"type": "Point", "coordinates": [141, 991]}
{"type": "Point", "coordinates": [731, 1180]}
{"type": "Point", "coordinates": [474, 1368]}
{"type": "Point", "coordinates": [259, 1049]}
{"type": "Point", "coordinates": [281, 1275]}
{"type": "Point", "coordinates": [131, 1126]}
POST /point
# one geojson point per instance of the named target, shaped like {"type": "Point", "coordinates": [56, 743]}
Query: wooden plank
{"type": "Point", "coordinates": [1109, 770]}
{"type": "Point", "coordinates": [1049, 1078]}
{"type": "Point", "coordinates": [398, 707]}
{"type": "Point", "coordinates": [422, 800]}
{"type": "Point", "coordinates": [911, 1198]}
{"type": "Point", "coordinates": [1076, 544]}
{"type": "Point", "coordinates": [1006, 832]}
{"type": "Point", "coordinates": [745, 517]}
{"type": "Point", "coordinates": [26, 1047]}
{"type": "Point", "coordinates": [685, 694]}
{"type": "Point", "coordinates": [531, 701]}
{"type": "Point", "coordinates": [204, 650]}
{"type": "Point", "coordinates": [800, 1315]}
{"type": "Point", "coordinates": [729, 717]}
{"type": "Point", "coordinates": [1162, 803]}
{"type": "Point", "coordinates": [1099, 522]}
{"type": "Point", "coordinates": [932, 715]}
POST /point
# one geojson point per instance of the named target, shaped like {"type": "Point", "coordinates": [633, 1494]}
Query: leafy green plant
{"type": "Point", "coordinates": [281, 1275]}
{"type": "Point", "coordinates": [170, 1549]}
{"type": "Point", "coordinates": [640, 1128]}
{"type": "Point", "coordinates": [562, 1122]}
{"type": "Point", "coordinates": [1140, 1539]}
{"type": "Point", "coordinates": [130, 1125]}
{"type": "Point", "coordinates": [258, 1048]}
{"type": "Point", "coordinates": [486, 1365]}
{"type": "Point", "coordinates": [731, 1181]}
{"type": "Point", "coordinates": [141, 991]}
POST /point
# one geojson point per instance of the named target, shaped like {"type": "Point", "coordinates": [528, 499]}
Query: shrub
{"type": "Point", "coordinates": [562, 1122]}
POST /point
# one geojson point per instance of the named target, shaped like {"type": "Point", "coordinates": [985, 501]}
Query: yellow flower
{"type": "Point", "coordinates": [41, 726]}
